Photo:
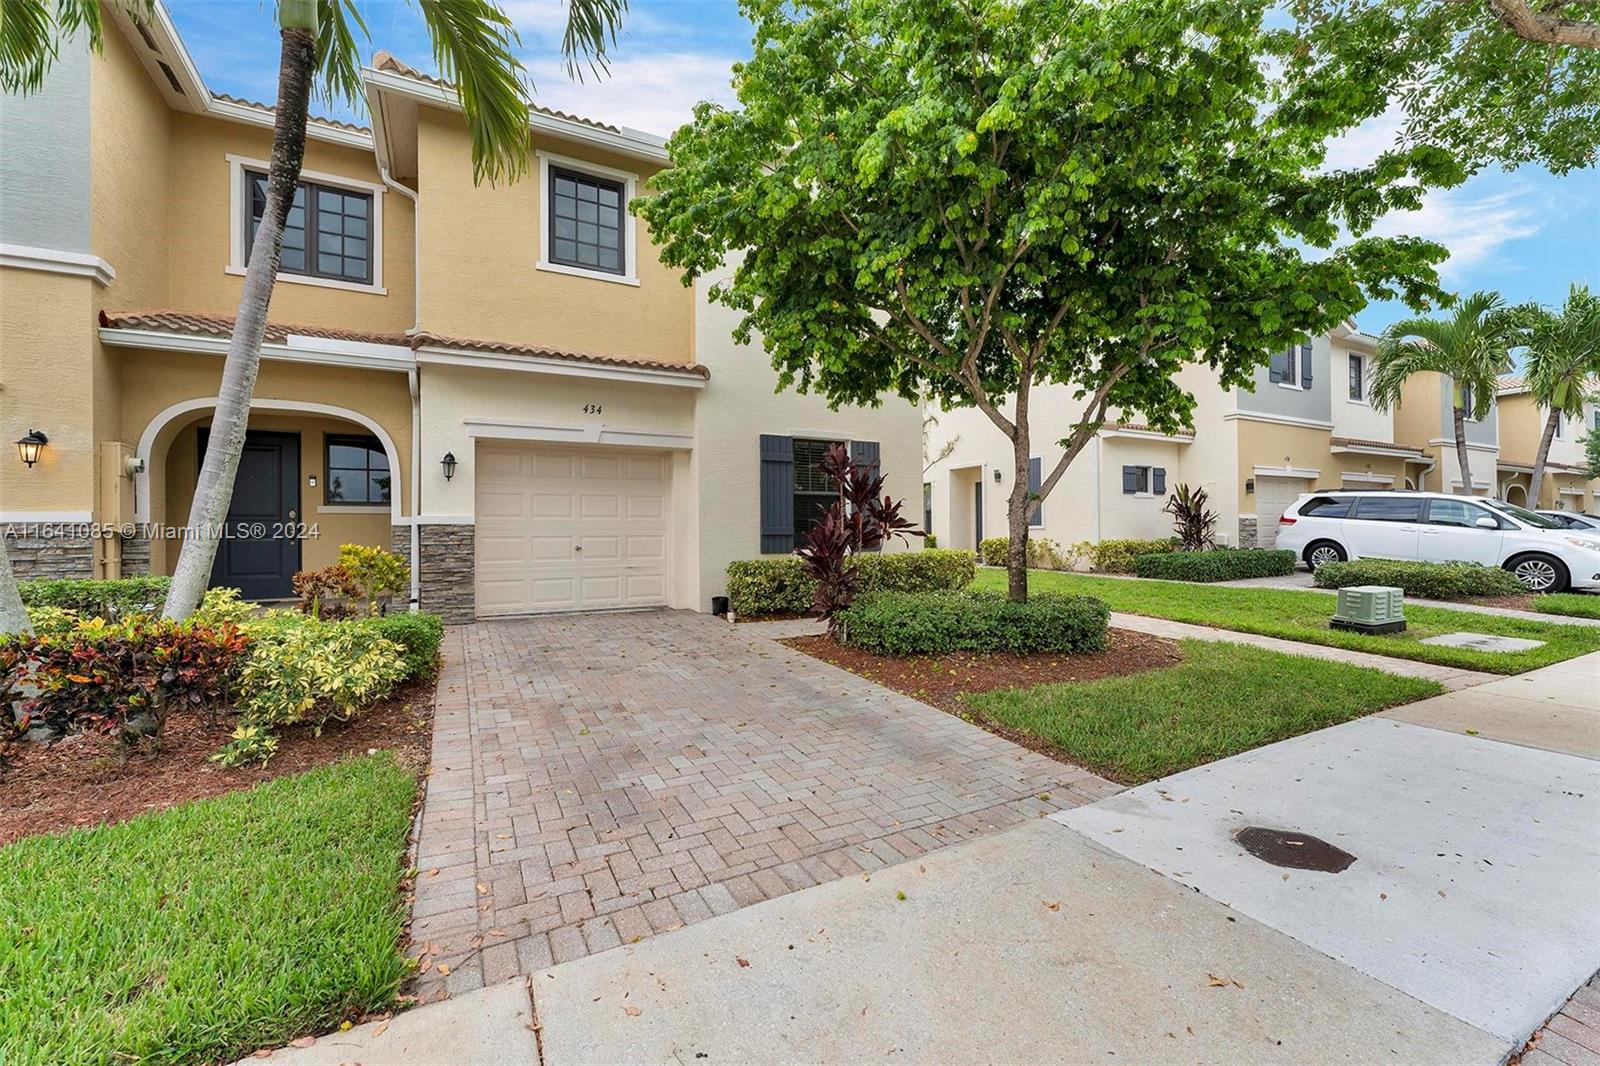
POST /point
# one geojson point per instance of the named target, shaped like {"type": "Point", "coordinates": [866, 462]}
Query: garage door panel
{"type": "Point", "coordinates": [1273, 497]}
{"type": "Point", "coordinates": [563, 529]}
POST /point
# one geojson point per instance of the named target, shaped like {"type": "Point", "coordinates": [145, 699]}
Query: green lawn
{"type": "Point", "coordinates": [1221, 700]}
{"type": "Point", "coordinates": [1576, 604]}
{"type": "Point", "coordinates": [203, 932]}
{"type": "Point", "coordinates": [1294, 614]}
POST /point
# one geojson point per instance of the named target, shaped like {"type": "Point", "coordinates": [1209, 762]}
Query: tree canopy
{"type": "Point", "coordinates": [1493, 81]}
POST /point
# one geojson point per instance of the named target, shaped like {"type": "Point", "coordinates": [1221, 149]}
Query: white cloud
{"type": "Point", "coordinates": [1362, 145]}
{"type": "Point", "coordinates": [655, 93]}
{"type": "Point", "coordinates": [1473, 227]}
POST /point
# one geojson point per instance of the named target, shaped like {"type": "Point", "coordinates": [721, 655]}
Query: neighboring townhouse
{"type": "Point", "coordinates": [1425, 419]}
{"type": "Point", "coordinates": [1306, 424]}
{"type": "Point", "coordinates": [1522, 425]}
{"type": "Point", "coordinates": [503, 382]}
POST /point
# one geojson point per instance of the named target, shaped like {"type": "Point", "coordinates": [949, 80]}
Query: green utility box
{"type": "Point", "coordinates": [1370, 609]}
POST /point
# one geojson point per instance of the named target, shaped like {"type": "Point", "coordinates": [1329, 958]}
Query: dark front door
{"type": "Point", "coordinates": [258, 555]}
{"type": "Point", "coordinates": [977, 507]}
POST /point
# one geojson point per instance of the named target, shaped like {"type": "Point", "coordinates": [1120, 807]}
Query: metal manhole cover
{"type": "Point", "coordinates": [1296, 851]}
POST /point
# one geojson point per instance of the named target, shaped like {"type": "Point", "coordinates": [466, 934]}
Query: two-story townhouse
{"type": "Point", "coordinates": [503, 382]}
{"type": "Point", "coordinates": [1306, 422]}
{"type": "Point", "coordinates": [1522, 425]}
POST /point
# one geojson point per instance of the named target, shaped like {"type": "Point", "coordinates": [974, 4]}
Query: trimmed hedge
{"type": "Point", "coordinates": [1221, 564]}
{"type": "Point", "coordinates": [418, 635]}
{"type": "Point", "coordinates": [937, 623]}
{"type": "Point", "coordinates": [994, 550]}
{"type": "Point", "coordinates": [102, 598]}
{"type": "Point", "coordinates": [1432, 581]}
{"type": "Point", "coordinates": [781, 586]}
{"type": "Point", "coordinates": [1116, 556]}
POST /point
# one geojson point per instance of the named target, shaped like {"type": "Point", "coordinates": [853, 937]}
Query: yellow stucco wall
{"type": "Point", "coordinates": [1416, 417]}
{"type": "Point", "coordinates": [46, 383]}
{"type": "Point", "coordinates": [1269, 444]}
{"type": "Point", "coordinates": [481, 245]}
{"type": "Point", "coordinates": [1521, 425]}
{"type": "Point", "coordinates": [201, 220]}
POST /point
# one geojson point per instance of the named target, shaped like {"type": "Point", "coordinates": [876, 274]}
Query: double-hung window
{"type": "Point", "coordinates": [814, 491]}
{"type": "Point", "coordinates": [327, 234]}
{"type": "Point", "coordinates": [1358, 371]}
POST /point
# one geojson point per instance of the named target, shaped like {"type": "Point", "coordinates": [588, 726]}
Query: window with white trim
{"type": "Point", "coordinates": [326, 234]}
{"type": "Point", "coordinates": [586, 221]}
{"type": "Point", "coordinates": [1358, 372]}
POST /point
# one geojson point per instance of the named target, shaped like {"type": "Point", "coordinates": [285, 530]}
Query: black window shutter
{"type": "Point", "coordinates": [1035, 479]}
{"type": "Point", "coordinates": [1130, 480]}
{"type": "Point", "coordinates": [1158, 481]}
{"type": "Point", "coordinates": [1278, 369]}
{"type": "Point", "coordinates": [865, 453]}
{"type": "Point", "coordinates": [777, 495]}
{"type": "Point", "coordinates": [1305, 366]}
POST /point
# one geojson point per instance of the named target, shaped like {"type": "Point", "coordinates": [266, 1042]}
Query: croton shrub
{"type": "Point", "coordinates": [363, 582]}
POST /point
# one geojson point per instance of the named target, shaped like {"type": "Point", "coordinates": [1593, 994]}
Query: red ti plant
{"type": "Point", "coordinates": [861, 519]}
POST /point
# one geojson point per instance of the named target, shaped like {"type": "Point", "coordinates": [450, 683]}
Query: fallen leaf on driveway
{"type": "Point", "coordinates": [1216, 982]}
{"type": "Point", "coordinates": [433, 872]}
{"type": "Point", "coordinates": [444, 971]}
{"type": "Point", "coordinates": [1049, 906]}
{"type": "Point", "coordinates": [483, 889]}
{"type": "Point", "coordinates": [744, 964]}
{"type": "Point", "coordinates": [632, 1012]}
{"type": "Point", "coordinates": [304, 1041]}
{"type": "Point", "coordinates": [378, 1030]}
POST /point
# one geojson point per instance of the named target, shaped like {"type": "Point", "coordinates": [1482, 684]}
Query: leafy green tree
{"type": "Point", "coordinates": [1493, 81]}
{"type": "Point", "coordinates": [1472, 347]}
{"type": "Point", "coordinates": [1591, 454]}
{"type": "Point", "coordinates": [473, 45]}
{"type": "Point", "coordinates": [971, 198]}
{"type": "Point", "coordinates": [1563, 364]}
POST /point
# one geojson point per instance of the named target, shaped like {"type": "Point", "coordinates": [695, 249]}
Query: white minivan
{"type": "Point", "coordinates": [1326, 527]}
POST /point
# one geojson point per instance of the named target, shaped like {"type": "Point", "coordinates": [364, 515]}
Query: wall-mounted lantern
{"type": "Point", "coordinates": [997, 477]}
{"type": "Point", "coordinates": [449, 464]}
{"type": "Point", "coordinates": [29, 447]}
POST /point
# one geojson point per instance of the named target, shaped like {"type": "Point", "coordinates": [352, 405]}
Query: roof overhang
{"type": "Point", "coordinates": [442, 355]}
{"type": "Point", "coordinates": [392, 100]}
{"type": "Point", "coordinates": [173, 72]}
{"type": "Point", "coordinates": [295, 348]}
{"type": "Point", "coordinates": [1396, 452]}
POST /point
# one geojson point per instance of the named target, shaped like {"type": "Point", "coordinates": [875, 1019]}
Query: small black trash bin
{"type": "Point", "coordinates": [719, 606]}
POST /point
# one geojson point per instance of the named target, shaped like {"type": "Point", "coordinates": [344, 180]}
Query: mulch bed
{"type": "Point", "coordinates": [941, 680]}
{"type": "Point", "coordinates": [93, 780]}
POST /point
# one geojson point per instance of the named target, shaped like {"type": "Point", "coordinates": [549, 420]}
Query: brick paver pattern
{"type": "Point", "coordinates": [1572, 1036]}
{"type": "Point", "coordinates": [600, 778]}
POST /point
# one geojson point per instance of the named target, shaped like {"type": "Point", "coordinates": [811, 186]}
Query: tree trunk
{"type": "Point", "coordinates": [13, 616]}
{"type": "Point", "coordinates": [1539, 458]}
{"type": "Point", "coordinates": [1017, 505]}
{"type": "Point", "coordinates": [1461, 451]}
{"type": "Point", "coordinates": [214, 490]}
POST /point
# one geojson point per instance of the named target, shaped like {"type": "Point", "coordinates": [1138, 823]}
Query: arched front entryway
{"type": "Point", "coordinates": [313, 476]}
{"type": "Point", "coordinates": [1512, 492]}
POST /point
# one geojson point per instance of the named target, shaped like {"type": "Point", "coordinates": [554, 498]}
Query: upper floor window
{"type": "Point", "coordinates": [585, 228]}
{"type": "Point", "coordinates": [1469, 401]}
{"type": "Point", "coordinates": [1291, 367]}
{"type": "Point", "coordinates": [1358, 374]}
{"type": "Point", "coordinates": [327, 234]}
{"type": "Point", "coordinates": [332, 235]}
{"type": "Point", "coordinates": [357, 470]}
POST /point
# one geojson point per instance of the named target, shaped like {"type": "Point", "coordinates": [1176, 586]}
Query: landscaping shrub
{"type": "Point", "coordinates": [328, 593]}
{"type": "Point", "coordinates": [381, 575]}
{"type": "Point", "coordinates": [1434, 581]}
{"type": "Point", "coordinates": [304, 669]}
{"type": "Point", "coordinates": [993, 550]}
{"type": "Point", "coordinates": [937, 623]}
{"type": "Point", "coordinates": [418, 635]}
{"type": "Point", "coordinates": [1192, 521]}
{"type": "Point", "coordinates": [90, 675]}
{"type": "Point", "coordinates": [1221, 564]}
{"type": "Point", "coordinates": [1117, 556]}
{"type": "Point", "coordinates": [781, 586]}
{"type": "Point", "coordinates": [106, 599]}
{"type": "Point", "coordinates": [930, 541]}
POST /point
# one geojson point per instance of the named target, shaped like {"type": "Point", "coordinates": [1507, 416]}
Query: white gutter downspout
{"type": "Point", "coordinates": [413, 383]}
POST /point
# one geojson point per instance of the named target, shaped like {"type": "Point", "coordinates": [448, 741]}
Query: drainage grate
{"type": "Point", "coordinates": [1296, 851]}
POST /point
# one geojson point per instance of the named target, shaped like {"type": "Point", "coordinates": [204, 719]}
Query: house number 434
{"type": "Point", "coordinates": [591, 408]}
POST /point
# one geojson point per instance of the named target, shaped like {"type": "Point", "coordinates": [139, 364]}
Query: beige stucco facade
{"type": "Point", "coordinates": [465, 333]}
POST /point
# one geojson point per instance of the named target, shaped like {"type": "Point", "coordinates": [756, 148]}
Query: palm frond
{"type": "Point", "coordinates": [473, 46]}
{"type": "Point", "coordinates": [33, 31]}
{"type": "Point", "coordinates": [338, 56]}
{"type": "Point", "coordinates": [1564, 352]}
{"type": "Point", "coordinates": [1472, 347]}
{"type": "Point", "coordinates": [591, 29]}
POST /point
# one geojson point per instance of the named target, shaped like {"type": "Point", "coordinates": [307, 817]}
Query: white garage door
{"type": "Point", "coordinates": [567, 529]}
{"type": "Point", "coordinates": [1273, 497]}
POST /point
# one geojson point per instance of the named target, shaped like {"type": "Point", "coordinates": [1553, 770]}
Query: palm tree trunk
{"type": "Point", "coordinates": [13, 616]}
{"type": "Point", "coordinates": [1550, 424]}
{"type": "Point", "coordinates": [1461, 452]}
{"type": "Point", "coordinates": [214, 491]}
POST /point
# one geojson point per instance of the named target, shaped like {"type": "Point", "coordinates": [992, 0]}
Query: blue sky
{"type": "Point", "coordinates": [1526, 233]}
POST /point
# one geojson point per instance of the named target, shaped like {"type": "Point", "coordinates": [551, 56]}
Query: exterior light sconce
{"type": "Point", "coordinates": [312, 481]}
{"type": "Point", "coordinates": [449, 464]}
{"type": "Point", "coordinates": [997, 477]}
{"type": "Point", "coordinates": [29, 447]}
{"type": "Point", "coordinates": [1249, 486]}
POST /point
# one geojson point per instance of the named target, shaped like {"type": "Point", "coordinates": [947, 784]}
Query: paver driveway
{"type": "Point", "coordinates": [600, 778]}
